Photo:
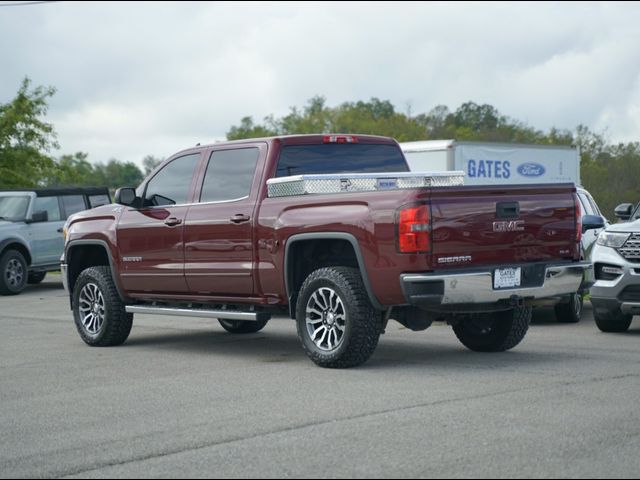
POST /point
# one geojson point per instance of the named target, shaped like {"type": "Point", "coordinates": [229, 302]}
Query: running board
{"type": "Point", "coordinates": [200, 312]}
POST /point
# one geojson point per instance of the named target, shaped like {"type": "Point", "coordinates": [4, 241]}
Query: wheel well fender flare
{"type": "Point", "coordinates": [288, 261]}
{"type": "Point", "coordinates": [74, 244]}
{"type": "Point", "coordinates": [22, 245]}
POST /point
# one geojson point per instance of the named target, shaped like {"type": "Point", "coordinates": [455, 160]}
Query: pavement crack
{"type": "Point", "coordinates": [293, 428]}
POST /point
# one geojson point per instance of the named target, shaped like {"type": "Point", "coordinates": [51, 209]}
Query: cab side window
{"type": "Point", "coordinates": [98, 200]}
{"type": "Point", "coordinates": [49, 205]}
{"type": "Point", "coordinates": [594, 206]}
{"type": "Point", "coordinates": [170, 186]}
{"type": "Point", "coordinates": [587, 208]}
{"type": "Point", "coordinates": [229, 175]}
{"type": "Point", "coordinates": [73, 204]}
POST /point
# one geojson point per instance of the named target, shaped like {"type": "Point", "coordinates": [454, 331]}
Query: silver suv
{"type": "Point", "coordinates": [616, 257]}
{"type": "Point", "coordinates": [31, 224]}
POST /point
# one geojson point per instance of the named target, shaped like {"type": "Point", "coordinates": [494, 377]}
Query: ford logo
{"type": "Point", "coordinates": [531, 170]}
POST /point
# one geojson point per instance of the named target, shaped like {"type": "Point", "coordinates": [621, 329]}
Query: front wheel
{"type": "Point", "coordinates": [240, 326]}
{"type": "Point", "coordinates": [494, 332]}
{"type": "Point", "coordinates": [336, 322]}
{"type": "Point", "coordinates": [615, 322]}
{"type": "Point", "coordinates": [98, 311]}
{"type": "Point", "coordinates": [13, 268]}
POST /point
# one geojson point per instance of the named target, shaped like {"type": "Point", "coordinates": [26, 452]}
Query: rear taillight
{"type": "Point", "coordinates": [578, 219]}
{"type": "Point", "coordinates": [340, 139]}
{"type": "Point", "coordinates": [414, 229]}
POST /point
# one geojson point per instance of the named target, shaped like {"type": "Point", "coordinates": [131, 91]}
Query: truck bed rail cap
{"type": "Point", "coordinates": [360, 182]}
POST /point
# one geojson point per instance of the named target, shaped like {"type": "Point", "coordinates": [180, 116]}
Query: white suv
{"type": "Point", "coordinates": [616, 294]}
{"type": "Point", "coordinates": [569, 311]}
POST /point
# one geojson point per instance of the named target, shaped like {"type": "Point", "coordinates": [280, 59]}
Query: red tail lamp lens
{"type": "Point", "coordinates": [414, 231]}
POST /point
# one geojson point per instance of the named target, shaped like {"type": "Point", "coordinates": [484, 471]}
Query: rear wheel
{"type": "Point", "coordinates": [615, 322]}
{"type": "Point", "coordinates": [336, 322]}
{"type": "Point", "coordinates": [35, 278]}
{"type": "Point", "coordinates": [570, 312]}
{"type": "Point", "coordinates": [240, 326]}
{"type": "Point", "coordinates": [494, 332]}
{"type": "Point", "coordinates": [98, 311]}
{"type": "Point", "coordinates": [13, 268]}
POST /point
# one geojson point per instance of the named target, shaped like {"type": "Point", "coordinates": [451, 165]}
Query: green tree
{"type": "Point", "coordinates": [247, 129]}
{"type": "Point", "coordinates": [115, 174]}
{"type": "Point", "coordinates": [608, 171]}
{"type": "Point", "coordinates": [25, 138]}
{"type": "Point", "coordinates": [71, 170]}
{"type": "Point", "coordinates": [150, 163]}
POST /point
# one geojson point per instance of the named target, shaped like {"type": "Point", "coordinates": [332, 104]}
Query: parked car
{"type": "Point", "coordinates": [350, 241]}
{"type": "Point", "coordinates": [570, 309]}
{"type": "Point", "coordinates": [31, 240]}
{"type": "Point", "coordinates": [616, 294]}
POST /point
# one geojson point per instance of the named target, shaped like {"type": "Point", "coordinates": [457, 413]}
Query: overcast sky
{"type": "Point", "coordinates": [152, 78]}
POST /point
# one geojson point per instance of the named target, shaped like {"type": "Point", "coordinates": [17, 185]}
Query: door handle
{"type": "Point", "coordinates": [172, 221]}
{"type": "Point", "coordinates": [240, 218]}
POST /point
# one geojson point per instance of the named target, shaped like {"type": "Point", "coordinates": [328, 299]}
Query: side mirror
{"type": "Point", "coordinates": [624, 211]}
{"type": "Point", "coordinates": [39, 217]}
{"type": "Point", "coordinates": [592, 222]}
{"type": "Point", "coordinates": [126, 196]}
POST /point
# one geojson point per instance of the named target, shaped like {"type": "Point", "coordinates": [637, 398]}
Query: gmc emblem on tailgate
{"type": "Point", "coordinates": [511, 226]}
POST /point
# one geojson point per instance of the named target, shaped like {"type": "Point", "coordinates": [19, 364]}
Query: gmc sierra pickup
{"type": "Point", "coordinates": [332, 230]}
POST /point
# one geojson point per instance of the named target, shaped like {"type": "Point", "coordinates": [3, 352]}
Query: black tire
{"type": "Point", "coordinates": [350, 318]}
{"type": "Point", "coordinates": [13, 273]}
{"type": "Point", "coordinates": [571, 311]}
{"type": "Point", "coordinates": [115, 324]}
{"type": "Point", "coordinates": [241, 327]}
{"type": "Point", "coordinates": [35, 278]}
{"type": "Point", "coordinates": [494, 332]}
{"type": "Point", "coordinates": [614, 322]}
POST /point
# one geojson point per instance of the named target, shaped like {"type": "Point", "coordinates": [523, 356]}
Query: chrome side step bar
{"type": "Point", "coordinates": [199, 312]}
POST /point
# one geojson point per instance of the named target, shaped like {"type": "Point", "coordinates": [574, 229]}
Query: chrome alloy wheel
{"type": "Point", "coordinates": [326, 319]}
{"type": "Point", "coordinates": [92, 308]}
{"type": "Point", "coordinates": [576, 301]}
{"type": "Point", "coordinates": [14, 273]}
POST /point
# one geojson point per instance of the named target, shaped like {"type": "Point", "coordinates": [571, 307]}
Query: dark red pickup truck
{"type": "Point", "coordinates": [330, 229]}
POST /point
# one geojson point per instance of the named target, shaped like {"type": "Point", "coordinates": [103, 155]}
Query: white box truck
{"type": "Point", "coordinates": [496, 163]}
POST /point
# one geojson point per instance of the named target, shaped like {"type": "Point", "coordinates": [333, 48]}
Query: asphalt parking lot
{"type": "Point", "coordinates": [183, 398]}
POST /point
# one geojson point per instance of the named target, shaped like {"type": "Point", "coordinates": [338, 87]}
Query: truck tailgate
{"type": "Point", "coordinates": [479, 226]}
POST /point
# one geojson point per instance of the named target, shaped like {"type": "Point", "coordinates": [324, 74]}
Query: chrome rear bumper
{"type": "Point", "coordinates": [476, 287]}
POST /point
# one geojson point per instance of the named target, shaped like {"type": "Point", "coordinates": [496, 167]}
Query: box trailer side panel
{"type": "Point", "coordinates": [430, 160]}
{"type": "Point", "coordinates": [486, 164]}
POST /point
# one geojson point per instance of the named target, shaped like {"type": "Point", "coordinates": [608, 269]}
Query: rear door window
{"type": "Point", "coordinates": [98, 200]}
{"type": "Point", "coordinates": [229, 175]}
{"type": "Point", "coordinates": [73, 204]}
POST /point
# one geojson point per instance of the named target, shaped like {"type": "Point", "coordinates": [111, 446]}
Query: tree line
{"type": "Point", "coordinates": [27, 141]}
{"type": "Point", "coordinates": [608, 170]}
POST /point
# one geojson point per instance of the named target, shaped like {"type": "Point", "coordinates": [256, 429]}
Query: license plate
{"type": "Point", "coordinates": [507, 278]}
